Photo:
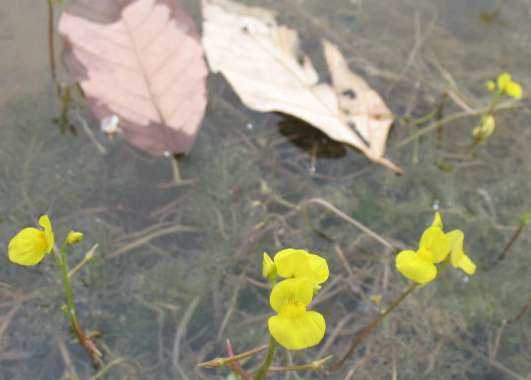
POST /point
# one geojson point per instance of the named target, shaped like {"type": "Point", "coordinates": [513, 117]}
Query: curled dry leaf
{"type": "Point", "coordinates": [140, 60]}
{"type": "Point", "coordinates": [262, 62]}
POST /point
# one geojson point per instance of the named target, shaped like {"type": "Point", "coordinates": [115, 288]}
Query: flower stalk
{"type": "Point", "coordinates": [84, 340]}
{"type": "Point", "coordinates": [373, 325]}
{"type": "Point", "coordinates": [262, 371]}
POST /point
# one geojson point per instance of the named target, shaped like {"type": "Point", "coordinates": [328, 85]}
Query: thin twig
{"type": "Point", "coordinates": [69, 365]}
{"type": "Point", "coordinates": [511, 241]}
{"type": "Point", "coordinates": [235, 365]}
{"type": "Point", "coordinates": [232, 306]}
{"type": "Point", "coordinates": [88, 256]}
{"type": "Point", "coordinates": [350, 220]}
{"type": "Point", "coordinates": [146, 239]}
{"type": "Point", "coordinates": [51, 48]}
{"type": "Point", "coordinates": [90, 134]}
{"type": "Point", "coordinates": [360, 337]}
{"type": "Point", "coordinates": [179, 334]}
{"type": "Point", "coordinates": [218, 362]}
{"type": "Point", "coordinates": [452, 118]}
{"type": "Point", "coordinates": [108, 366]}
{"type": "Point", "coordinates": [316, 365]}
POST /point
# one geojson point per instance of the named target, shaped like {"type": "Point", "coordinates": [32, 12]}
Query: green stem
{"type": "Point", "coordinates": [69, 294]}
{"type": "Point", "coordinates": [449, 119]}
{"type": "Point", "coordinates": [262, 371]}
{"type": "Point", "coordinates": [372, 326]}
{"type": "Point", "coordinates": [82, 338]}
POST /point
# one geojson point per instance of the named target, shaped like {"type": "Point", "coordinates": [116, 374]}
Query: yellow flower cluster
{"type": "Point", "coordinates": [295, 327]}
{"type": "Point", "coordinates": [31, 245]}
{"type": "Point", "coordinates": [435, 246]}
{"type": "Point", "coordinates": [505, 85]}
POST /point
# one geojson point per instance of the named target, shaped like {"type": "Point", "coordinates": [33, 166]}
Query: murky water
{"type": "Point", "coordinates": [177, 269]}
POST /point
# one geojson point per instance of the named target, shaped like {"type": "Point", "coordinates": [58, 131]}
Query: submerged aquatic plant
{"type": "Point", "coordinates": [30, 246]}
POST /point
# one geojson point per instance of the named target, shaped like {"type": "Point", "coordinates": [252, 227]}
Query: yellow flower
{"type": "Point", "coordinates": [508, 86]}
{"type": "Point", "coordinates": [420, 266]}
{"type": "Point", "coordinates": [74, 237]}
{"type": "Point", "coordinates": [458, 258]}
{"type": "Point", "coordinates": [294, 327]}
{"type": "Point", "coordinates": [30, 245]}
{"type": "Point", "coordinates": [297, 263]}
{"type": "Point", "coordinates": [269, 270]}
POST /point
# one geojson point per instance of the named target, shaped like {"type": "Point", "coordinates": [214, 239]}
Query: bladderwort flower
{"type": "Point", "coordinates": [507, 86]}
{"type": "Point", "coordinates": [294, 327]}
{"type": "Point", "coordinates": [504, 85]}
{"type": "Point", "coordinates": [31, 245]}
{"type": "Point", "coordinates": [434, 247]}
{"type": "Point", "coordinates": [296, 263]}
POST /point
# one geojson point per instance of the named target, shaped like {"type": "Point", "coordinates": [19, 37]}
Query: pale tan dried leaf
{"type": "Point", "coordinates": [262, 62]}
{"type": "Point", "coordinates": [141, 61]}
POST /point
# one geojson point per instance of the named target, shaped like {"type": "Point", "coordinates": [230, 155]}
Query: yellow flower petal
{"type": "Point", "coordinates": [437, 221]}
{"type": "Point", "coordinates": [466, 265]}
{"type": "Point", "coordinates": [318, 269]}
{"type": "Point", "coordinates": [298, 333]}
{"type": "Point", "coordinates": [514, 90]}
{"type": "Point", "coordinates": [290, 261]}
{"type": "Point", "coordinates": [28, 247]}
{"type": "Point", "coordinates": [458, 258]}
{"type": "Point", "coordinates": [434, 240]}
{"type": "Point", "coordinates": [268, 267]}
{"type": "Point", "coordinates": [291, 294]}
{"type": "Point", "coordinates": [503, 80]}
{"type": "Point", "coordinates": [415, 267]}
{"type": "Point", "coordinates": [299, 263]}
{"type": "Point", "coordinates": [44, 222]}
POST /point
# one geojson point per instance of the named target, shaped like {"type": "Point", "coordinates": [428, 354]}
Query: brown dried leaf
{"type": "Point", "coordinates": [261, 60]}
{"type": "Point", "coordinates": [142, 61]}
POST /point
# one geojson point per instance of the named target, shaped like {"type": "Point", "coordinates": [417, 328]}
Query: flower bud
{"type": "Point", "coordinates": [269, 269]}
{"type": "Point", "coordinates": [74, 237]}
